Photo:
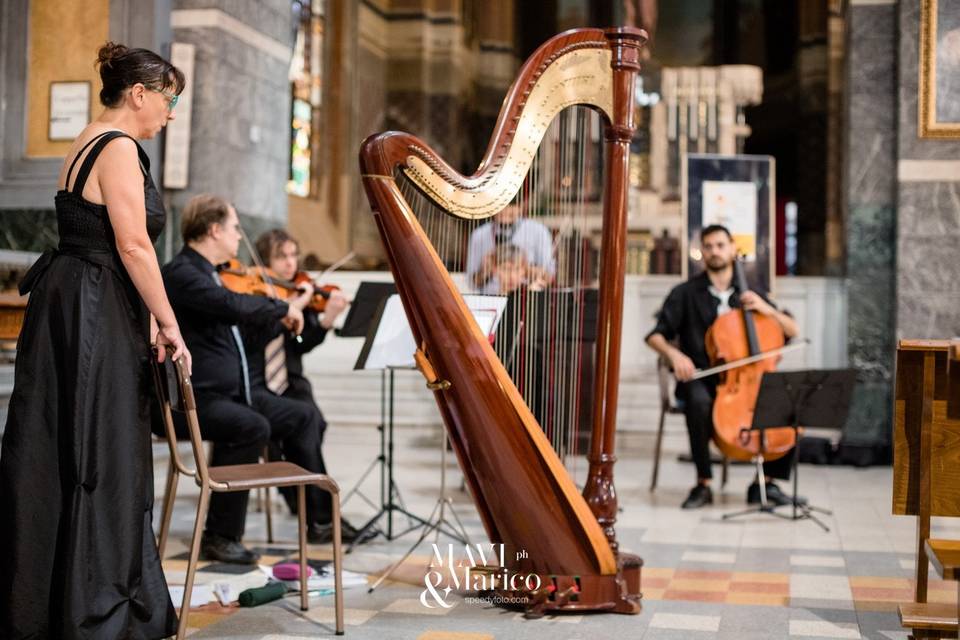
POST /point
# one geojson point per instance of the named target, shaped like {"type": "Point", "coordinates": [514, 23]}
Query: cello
{"type": "Point", "coordinates": [742, 345]}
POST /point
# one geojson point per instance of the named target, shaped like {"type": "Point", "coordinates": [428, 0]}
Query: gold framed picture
{"type": "Point", "coordinates": [938, 106]}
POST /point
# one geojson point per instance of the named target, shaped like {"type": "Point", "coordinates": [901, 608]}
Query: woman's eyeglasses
{"type": "Point", "coordinates": [172, 98]}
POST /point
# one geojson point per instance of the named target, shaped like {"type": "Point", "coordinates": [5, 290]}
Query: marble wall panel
{"type": "Point", "coordinates": [928, 213]}
{"type": "Point", "coordinates": [912, 146]}
{"type": "Point", "coordinates": [924, 315]}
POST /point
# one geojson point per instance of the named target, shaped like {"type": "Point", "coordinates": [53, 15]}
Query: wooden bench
{"type": "Point", "coordinates": [929, 620]}
{"type": "Point", "coordinates": [945, 557]}
{"type": "Point", "coordinates": [926, 469]}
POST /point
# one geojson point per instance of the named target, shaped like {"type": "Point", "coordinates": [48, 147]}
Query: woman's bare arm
{"type": "Point", "coordinates": [121, 183]}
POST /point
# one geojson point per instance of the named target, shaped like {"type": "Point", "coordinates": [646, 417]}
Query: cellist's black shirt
{"type": "Point", "coordinates": [688, 312]}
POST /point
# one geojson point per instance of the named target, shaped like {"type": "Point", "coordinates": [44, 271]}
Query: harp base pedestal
{"type": "Point", "coordinates": [617, 593]}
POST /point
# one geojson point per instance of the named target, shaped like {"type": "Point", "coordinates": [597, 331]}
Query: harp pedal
{"type": "Point", "coordinates": [426, 368]}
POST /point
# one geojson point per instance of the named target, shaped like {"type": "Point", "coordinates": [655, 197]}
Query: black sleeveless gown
{"type": "Point", "coordinates": [78, 558]}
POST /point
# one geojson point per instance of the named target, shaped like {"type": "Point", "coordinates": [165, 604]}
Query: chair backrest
{"type": "Point", "coordinates": [175, 392]}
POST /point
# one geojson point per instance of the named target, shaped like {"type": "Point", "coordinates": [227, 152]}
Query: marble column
{"type": "Point", "coordinates": [240, 131]}
{"type": "Point", "coordinates": [871, 216]}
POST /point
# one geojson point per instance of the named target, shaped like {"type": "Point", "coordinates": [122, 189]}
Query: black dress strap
{"type": "Point", "coordinates": [91, 158]}
{"type": "Point", "coordinates": [66, 183]}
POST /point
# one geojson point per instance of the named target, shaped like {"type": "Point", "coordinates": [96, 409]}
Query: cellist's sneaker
{"type": "Point", "coordinates": [700, 496]}
{"type": "Point", "coordinates": [775, 496]}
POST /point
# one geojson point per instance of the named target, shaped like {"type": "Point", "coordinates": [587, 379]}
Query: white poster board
{"type": "Point", "coordinates": [733, 205]}
{"type": "Point", "coordinates": [393, 345]}
{"type": "Point", "coordinates": [176, 150]}
{"type": "Point", "coordinates": [69, 109]}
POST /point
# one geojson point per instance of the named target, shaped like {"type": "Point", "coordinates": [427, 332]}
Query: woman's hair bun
{"type": "Point", "coordinates": [121, 67]}
{"type": "Point", "coordinates": [110, 52]}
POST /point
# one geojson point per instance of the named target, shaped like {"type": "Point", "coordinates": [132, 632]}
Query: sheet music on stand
{"type": "Point", "coordinates": [390, 343]}
{"type": "Point", "coordinates": [389, 346]}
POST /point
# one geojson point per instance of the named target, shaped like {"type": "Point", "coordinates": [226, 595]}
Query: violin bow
{"type": "Point", "coordinates": [257, 261]}
{"type": "Point", "coordinates": [703, 373]}
{"type": "Point", "coordinates": [336, 265]}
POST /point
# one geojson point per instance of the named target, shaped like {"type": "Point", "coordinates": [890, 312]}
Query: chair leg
{"type": "Point", "coordinates": [337, 563]}
{"type": "Point", "coordinates": [302, 525]}
{"type": "Point", "coordinates": [724, 473]}
{"type": "Point", "coordinates": [268, 507]}
{"type": "Point", "coordinates": [656, 450]}
{"type": "Point", "coordinates": [202, 507]}
{"type": "Point", "coordinates": [169, 497]}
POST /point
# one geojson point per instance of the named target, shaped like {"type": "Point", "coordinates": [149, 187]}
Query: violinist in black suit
{"type": "Point", "coordinates": [236, 411]}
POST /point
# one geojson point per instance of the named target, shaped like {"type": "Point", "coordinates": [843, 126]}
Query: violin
{"type": "Point", "coordinates": [321, 292]}
{"type": "Point", "coordinates": [262, 281]}
{"type": "Point", "coordinates": [747, 341]}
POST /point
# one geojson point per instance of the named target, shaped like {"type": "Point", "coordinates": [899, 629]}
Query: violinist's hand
{"type": "Point", "coordinates": [683, 367]}
{"type": "Point", "coordinates": [294, 319]}
{"type": "Point", "coordinates": [169, 337]}
{"type": "Point", "coordinates": [336, 303]}
{"type": "Point", "coordinates": [303, 300]}
{"type": "Point", "coordinates": [753, 302]}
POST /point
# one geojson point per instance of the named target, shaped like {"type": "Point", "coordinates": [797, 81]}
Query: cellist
{"type": "Point", "coordinates": [687, 313]}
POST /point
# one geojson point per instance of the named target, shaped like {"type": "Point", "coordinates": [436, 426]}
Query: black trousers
{"type": "Point", "coordinates": [239, 433]}
{"type": "Point", "coordinates": [301, 390]}
{"type": "Point", "coordinates": [698, 397]}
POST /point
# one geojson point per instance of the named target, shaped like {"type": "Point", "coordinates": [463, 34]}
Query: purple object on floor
{"type": "Point", "coordinates": [289, 571]}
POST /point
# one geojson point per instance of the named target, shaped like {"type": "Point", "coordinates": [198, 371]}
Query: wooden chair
{"type": "Point", "coordinates": [669, 406]}
{"type": "Point", "coordinates": [177, 468]}
{"type": "Point", "coordinates": [926, 477]}
{"type": "Point", "coordinates": [176, 393]}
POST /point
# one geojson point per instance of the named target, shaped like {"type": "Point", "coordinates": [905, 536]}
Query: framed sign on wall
{"type": "Point", "coordinates": [738, 193]}
{"type": "Point", "coordinates": [69, 109]}
{"type": "Point", "coordinates": [938, 102]}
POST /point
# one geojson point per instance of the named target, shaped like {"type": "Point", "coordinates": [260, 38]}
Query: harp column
{"type": "Point", "coordinates": [599, 491]}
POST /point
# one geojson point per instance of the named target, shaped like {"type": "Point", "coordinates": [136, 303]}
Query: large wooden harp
{"type": "Point", "coordinates": [524, 494]}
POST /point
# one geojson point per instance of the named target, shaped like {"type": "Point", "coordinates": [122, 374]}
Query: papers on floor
{"type": "Point", "coordinates": [202, 594]}
{"type": "Point", "coordinates": [325, 581]}
{"type": "Point", "coordinates": [221, 587]}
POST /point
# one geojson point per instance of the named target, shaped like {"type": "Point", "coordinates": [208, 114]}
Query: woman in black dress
{"type": "Point", "coordinates": [79, 559]}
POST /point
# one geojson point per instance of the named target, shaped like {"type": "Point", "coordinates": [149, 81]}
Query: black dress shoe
{"type": "Point", "coordinates": [322, 533]}
{"type": "Point", "coordinates": [775, 496]}
{"type": "Point", "coordinates": [700, 496]}
{"type": "Point", "coordinates": [219, 548]}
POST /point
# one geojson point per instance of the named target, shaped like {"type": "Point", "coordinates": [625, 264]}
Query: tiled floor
{"type": "Point", "coordinates": [704, 577]}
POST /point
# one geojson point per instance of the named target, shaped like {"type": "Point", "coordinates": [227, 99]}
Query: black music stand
{"type": "Point", "coordinates": [373, 301]}
{"type": "Point", "coordinates": [812, 398]}
{"type": "Point", "coordinates": [364, 307]}
{"type": "Point", "coordinates": [367, 304]}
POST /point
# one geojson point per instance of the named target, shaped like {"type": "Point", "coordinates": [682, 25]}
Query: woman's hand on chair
{"type": "Point", "coordinates": [169, 336]}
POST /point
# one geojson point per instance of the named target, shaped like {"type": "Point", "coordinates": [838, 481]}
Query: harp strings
{"type": "Point", "coordinates": [539, 252]}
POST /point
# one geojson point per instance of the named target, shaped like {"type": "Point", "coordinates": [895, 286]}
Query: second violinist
{"type": "Point", "coordinates": [679, 337]}
{"type": "Point", "coordinates": [282, 353]}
